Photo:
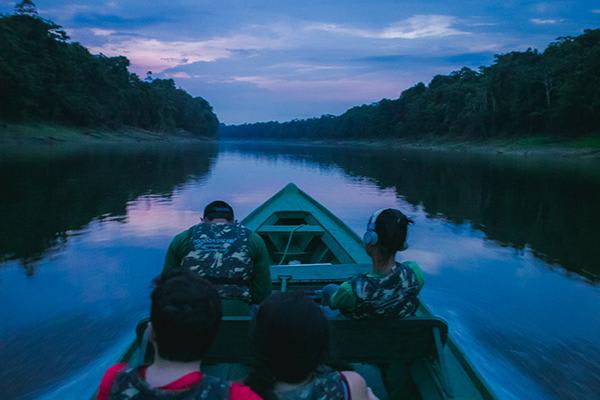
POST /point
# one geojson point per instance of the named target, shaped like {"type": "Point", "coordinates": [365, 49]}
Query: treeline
{"type": "Point", "coordinates": [528, 93]}
{"type": "Point", "coordinates": [45, 77]}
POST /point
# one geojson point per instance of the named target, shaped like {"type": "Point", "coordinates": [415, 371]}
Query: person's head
{"type": "Point", "coordinates": [185, 315]}
{"type": "Point", "coordinates": [386, 234]}
{"type": "Point", "coordinates": [218, 210]}
{"type": "Point", "coordinates": [291, 338]}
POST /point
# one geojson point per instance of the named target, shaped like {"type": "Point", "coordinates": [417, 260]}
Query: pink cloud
{"type": "Point", "coordinates": [357, 89]}
{"type": "Point", "coordinates": [158, 55]}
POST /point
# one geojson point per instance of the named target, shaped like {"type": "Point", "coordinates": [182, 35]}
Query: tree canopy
{"type": "Point", "coordinates": [46, 77]}
{"type": "Point", "coordinates": [525, 93]}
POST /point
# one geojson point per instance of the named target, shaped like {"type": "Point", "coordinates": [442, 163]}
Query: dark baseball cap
{"type": "Point", "coordinates": [218, 209]}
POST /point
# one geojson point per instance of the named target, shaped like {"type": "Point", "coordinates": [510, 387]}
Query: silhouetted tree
{"type": "Point", "coordinates": [45, 77]}
{"type": "Point", "coordinates": [26, 7]}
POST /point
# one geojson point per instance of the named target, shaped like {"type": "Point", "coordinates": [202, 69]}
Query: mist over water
{"type": "Point", "coordinates": [509, 247]}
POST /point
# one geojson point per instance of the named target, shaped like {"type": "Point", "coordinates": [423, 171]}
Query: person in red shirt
{"type": "Point", "coordinates": [184, 320]}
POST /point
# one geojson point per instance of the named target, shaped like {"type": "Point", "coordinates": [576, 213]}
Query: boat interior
{"type": "Point", "coordinates": [410, 358]}
{"type": "Point", "coordinates": [296, 237]}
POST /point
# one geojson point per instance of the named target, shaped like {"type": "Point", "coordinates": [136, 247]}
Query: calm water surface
{"type": "Point", "coordinates": [510, 247]}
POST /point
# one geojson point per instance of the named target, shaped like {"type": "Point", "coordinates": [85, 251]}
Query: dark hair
{"type": "Point", "coordinates": [185, 315]}
{"type": "Point", "coordinates": [290, 335]}
{"type": "Point", "coordinates": [218, 209]}
{"type": "Point", "coordinates": [391, 227]}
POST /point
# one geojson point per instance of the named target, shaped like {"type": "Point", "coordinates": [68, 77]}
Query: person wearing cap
{"type": "Point", "coordinates": [229, 255]}
{"type": "Point", "coordinates": [390, 290]}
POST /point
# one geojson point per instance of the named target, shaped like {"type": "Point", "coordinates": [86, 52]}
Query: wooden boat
{"type": "Point", "coordinates": [412, 358]}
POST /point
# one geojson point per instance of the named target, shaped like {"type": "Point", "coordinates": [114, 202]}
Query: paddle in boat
{"type": "Point", "coordinates": [410, 358]}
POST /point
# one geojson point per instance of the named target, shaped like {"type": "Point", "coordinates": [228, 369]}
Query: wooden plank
{"type": "Point", "coordinates": [337, 249]}
{"type": "Point", "coordinates": [377, 342]}
{"type": "Point", "coordinates": [266, 229]}
{"type": "Point", "coordinates": [385, 341]}
{"type": "Point", "coordinates": [292, 199]}
{"type": "Point", "coordinates": [318, 273]}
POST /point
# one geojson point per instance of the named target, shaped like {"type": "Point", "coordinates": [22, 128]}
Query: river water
{"type": "Point", "coordinates": [510, 247]}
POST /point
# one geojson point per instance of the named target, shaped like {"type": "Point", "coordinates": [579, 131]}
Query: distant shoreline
{"type": "Point", "coordinates": [580, 148]}
{"type": "Point", "coordinates": [43, 134]}
{"type": "Point", "coordinates": [40, 135]}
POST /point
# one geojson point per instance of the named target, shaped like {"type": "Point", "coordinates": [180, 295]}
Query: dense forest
{"type": "Point", "coordinates": [528, 93]}
{"type": "Point", "coordinates": [47, 78]}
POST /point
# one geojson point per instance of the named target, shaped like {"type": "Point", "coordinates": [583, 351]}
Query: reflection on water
{"type": "Point", "coordinates": [508, 245]}
{"type": "Point", "coordinates": [48, 196]}
{"type": "Point", "coordinates": [549, 205]}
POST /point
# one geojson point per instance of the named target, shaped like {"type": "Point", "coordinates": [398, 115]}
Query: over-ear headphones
{"type": "Point", "coordinates": [370, 237]}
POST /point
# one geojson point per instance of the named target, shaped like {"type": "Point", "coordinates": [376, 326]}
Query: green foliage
{"type": "Point", "coordinates": [26, 7]}
{"type": "Point", "coordinates": [527, 93]}
{"type": "Point", "coordinates": [45, 77]}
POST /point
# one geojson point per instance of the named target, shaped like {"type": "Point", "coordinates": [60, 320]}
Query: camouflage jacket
{"type": "Point", "coordinates": [327, 384]}
{"type": "Point", "coordinates": [221, 254]}
{"type": "Point", "coordinates": [393, 296]}
{"type": "Point", "coordinates": [129, 385]}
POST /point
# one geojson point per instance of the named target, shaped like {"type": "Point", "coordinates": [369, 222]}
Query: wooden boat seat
{"type": "Point", "coordinates": [353, 341]}
{"type": "Point", "coordinates": [286, 229]}
{"type": "Point", "coordinates": [368, 342]}
{"type": "Point", "coordinates": [367, 345]}
{"type": "Point", "coordinates": [318, 273]}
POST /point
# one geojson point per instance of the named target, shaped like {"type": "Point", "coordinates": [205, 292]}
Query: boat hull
{"type": "Point", "coordinates": [310, 247]}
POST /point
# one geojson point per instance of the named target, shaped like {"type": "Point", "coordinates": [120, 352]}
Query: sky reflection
{"type": "Point", "coordinates": [522, 319]}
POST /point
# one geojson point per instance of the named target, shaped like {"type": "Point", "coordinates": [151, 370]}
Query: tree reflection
{"type": "Point", "coordinates": [553, 207]}
{"type": "Point", "coordinates": [48, 197]}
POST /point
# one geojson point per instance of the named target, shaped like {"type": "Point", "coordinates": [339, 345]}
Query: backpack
{"type": "Point", "coordinates": [326, 384]}
{"type": "Point", "coordinates": [393, 296]}
{"type": "Point", "coordinates": [221, 254]}
{"type": "Point", "coordinates": [129, 385]}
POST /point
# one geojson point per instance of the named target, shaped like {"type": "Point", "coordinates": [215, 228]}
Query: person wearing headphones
{"type": "Point", "coordinates": [390, 290]}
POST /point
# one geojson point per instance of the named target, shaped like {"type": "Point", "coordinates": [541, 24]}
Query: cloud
{"type": "Point", "coordinates": [117, 21]}
{"type": "Point", "coordinates": [102, 32]}
{"type": "Point", "coordinates": [541, 7]}
{"type": "Point", "coordinates": [596, 11]}
{"type": "Point", "coordinates": [157, 55]}
{"type": "Point", "coordinates": [66, 11]}
{"type": "Point", "coordinates": [350, 89]}
{"type": "Point", "coordinates": [306, 67]}
{"type": "Point", "coordinates": [539, 21]}
{"type": "Point", "coordinates": [180, 75]}
{"type": "Point", "coordinates": [416, 27]}
{"type": "Point", "coordinates": [410, 61]}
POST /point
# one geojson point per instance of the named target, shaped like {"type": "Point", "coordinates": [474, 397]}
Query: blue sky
{"type": "Point", "coordinates": [280, 60]}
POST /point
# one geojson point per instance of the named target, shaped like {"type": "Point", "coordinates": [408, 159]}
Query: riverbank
{"type": "Point", "coordinates": [41, 134]}
{"type": "Point", "coordinates": [21, 137]}
{"type": "Point", "coordinates": [584, 148]}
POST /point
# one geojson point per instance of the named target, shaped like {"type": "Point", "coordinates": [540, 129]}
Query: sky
{"type": "Point", "coordinates": [281, 60]}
